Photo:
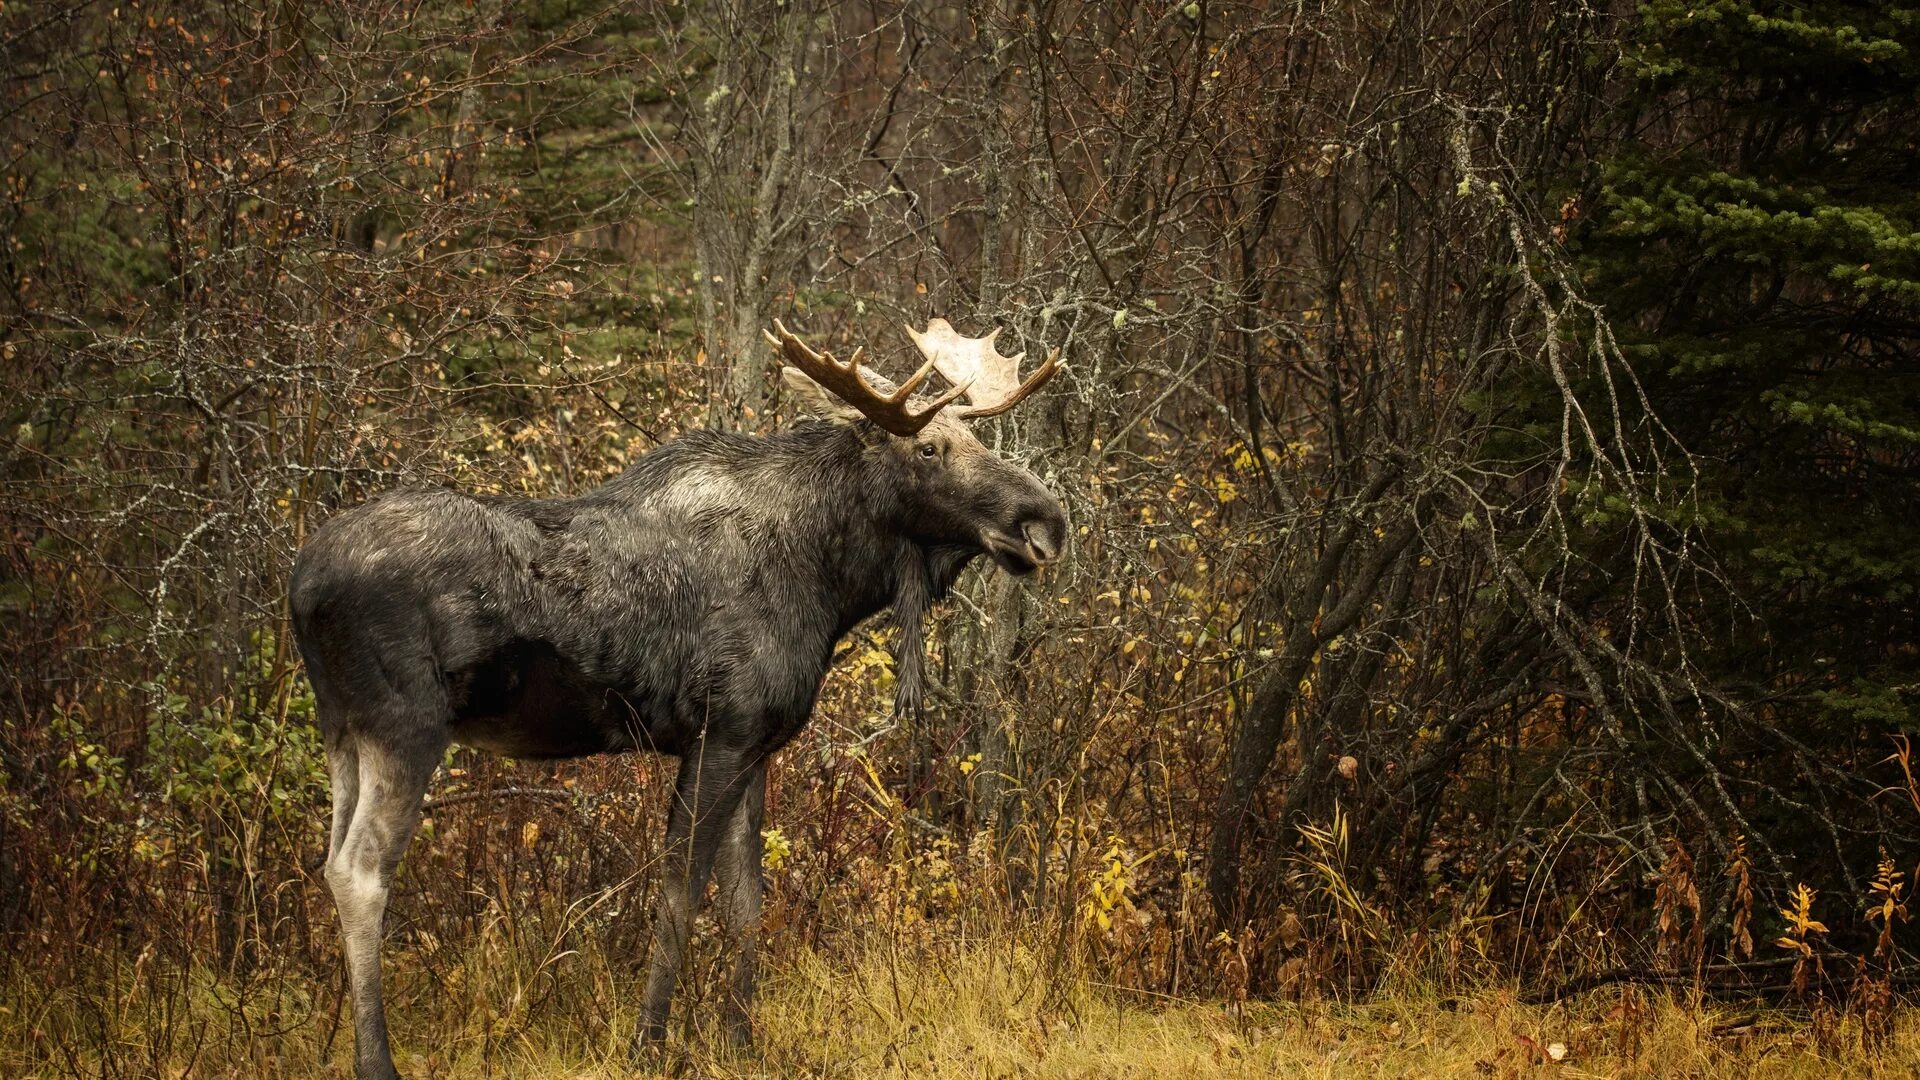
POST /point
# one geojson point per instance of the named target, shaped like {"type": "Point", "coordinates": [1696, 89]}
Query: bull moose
{"type": "Point", "coordinates": [689, 606]}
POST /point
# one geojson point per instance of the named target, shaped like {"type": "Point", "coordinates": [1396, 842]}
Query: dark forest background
{"type": "Point", "coordinates": [1491, 434]}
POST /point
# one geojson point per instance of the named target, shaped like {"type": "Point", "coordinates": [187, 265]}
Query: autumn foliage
{"type": "Point", "coordinates": [1488, 433]}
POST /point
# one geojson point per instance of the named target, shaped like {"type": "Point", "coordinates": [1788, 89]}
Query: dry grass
{"type": "Point", "coordinates": [974, 1009]}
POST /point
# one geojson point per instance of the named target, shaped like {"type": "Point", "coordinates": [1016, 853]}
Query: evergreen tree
{"type": "Point", "coordinates": [1756, 243]}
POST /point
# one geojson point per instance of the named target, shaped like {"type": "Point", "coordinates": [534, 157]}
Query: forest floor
{"type": "Point", "coordinates": [993, 1014]}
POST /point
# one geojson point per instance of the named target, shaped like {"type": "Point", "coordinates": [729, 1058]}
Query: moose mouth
{"type": "Point", "coordinates": [1016, 557]}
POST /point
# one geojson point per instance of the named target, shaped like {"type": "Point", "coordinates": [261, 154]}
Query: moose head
{"type": "Point", "coordinates": [948, 489]}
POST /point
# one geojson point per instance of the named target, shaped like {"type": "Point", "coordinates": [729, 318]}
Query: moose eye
{"type": "Point", "coordinates": [929, 451]}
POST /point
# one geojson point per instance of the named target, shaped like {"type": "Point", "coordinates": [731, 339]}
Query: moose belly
{"type": "Point", "coordinates": [526, 700]}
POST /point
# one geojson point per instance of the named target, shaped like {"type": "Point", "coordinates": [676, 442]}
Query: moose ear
{"type": "Point", "coordinates": [817, 400]}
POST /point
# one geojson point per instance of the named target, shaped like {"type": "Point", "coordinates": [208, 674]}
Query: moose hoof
{"type": "Point", "coordinates": [739, 1028]}
{"type": "Point", "coordinates": [652, 1056]}
{"type": "Point", "coordinates": [649, 1044]}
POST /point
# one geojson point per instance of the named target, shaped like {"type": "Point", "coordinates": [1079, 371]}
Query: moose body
{"type": "Point", "coordinates": [689, 606]}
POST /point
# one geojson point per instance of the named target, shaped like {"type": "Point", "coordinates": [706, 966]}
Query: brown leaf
{"type": "Point", "coordinates": [1291, 931]}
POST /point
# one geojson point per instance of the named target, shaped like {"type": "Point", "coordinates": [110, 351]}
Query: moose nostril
{"type": "Point", "coordinates": [1042, 538]}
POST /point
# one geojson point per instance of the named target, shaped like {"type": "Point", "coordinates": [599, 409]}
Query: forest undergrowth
{"type": "Point", "coordinates": [959, 1006]}
{"type": "Point", "coordinates": [919, 967]}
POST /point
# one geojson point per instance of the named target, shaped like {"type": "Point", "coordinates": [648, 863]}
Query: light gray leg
{"type": "Point", "coordinates": [360, 872]}
{"type": "Point", "coordinates": [707, 790]}
{"type": "Point", "coordinates": [738, 869]}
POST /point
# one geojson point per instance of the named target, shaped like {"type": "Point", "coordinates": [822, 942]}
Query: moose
{"type": "Point", "coordinates": [689, 606]}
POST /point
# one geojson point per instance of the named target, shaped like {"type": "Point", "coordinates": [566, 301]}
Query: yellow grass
{"type": "Point", "coordinates": [973, 1010]}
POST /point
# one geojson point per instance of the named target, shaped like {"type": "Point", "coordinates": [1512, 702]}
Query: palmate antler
{"type": "Point", "coordinates": [990, 382]}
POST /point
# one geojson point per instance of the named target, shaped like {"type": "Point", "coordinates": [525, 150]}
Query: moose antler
{"type": "Point", "coordinates": [992, 381]}
{"type": "Point", "coordinates": [890, 411]}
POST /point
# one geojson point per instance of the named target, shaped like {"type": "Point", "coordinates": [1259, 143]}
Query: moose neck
{"type": "Point", "coordinates": [819, 519]}
{"type": "Point", "coordinates": [864, 560]}
{"type": "Point", "coordinates": [843, 557]}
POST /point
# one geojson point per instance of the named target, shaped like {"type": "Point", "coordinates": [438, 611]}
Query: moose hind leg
{"type": "Point", "coordinates": [360, 872]}
{"type": "Point", "coordinates": [738, 868]}
{"type": "Point", "coordinates": [343, 778]}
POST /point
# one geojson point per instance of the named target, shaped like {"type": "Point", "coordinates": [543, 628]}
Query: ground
{"type": "Point", "coordinates": [985, 1010]}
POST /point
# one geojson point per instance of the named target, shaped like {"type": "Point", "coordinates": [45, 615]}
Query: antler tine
{"type": "Point", "coordinates": [948, 398]}
{"type": "Point", "coordinates": [906, 389]}
{"type": "Point", "coordinates": [1034, 382]}
{"type": "Point", "coordinates": [844, 381]}
{"type": "Point", "coordinates": [913, 381]}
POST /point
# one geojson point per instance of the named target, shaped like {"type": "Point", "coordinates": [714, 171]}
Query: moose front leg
{"type": "Point", "coordinates": [708, 790]}
{"type": "Point", "coordinates": [741, 888]}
